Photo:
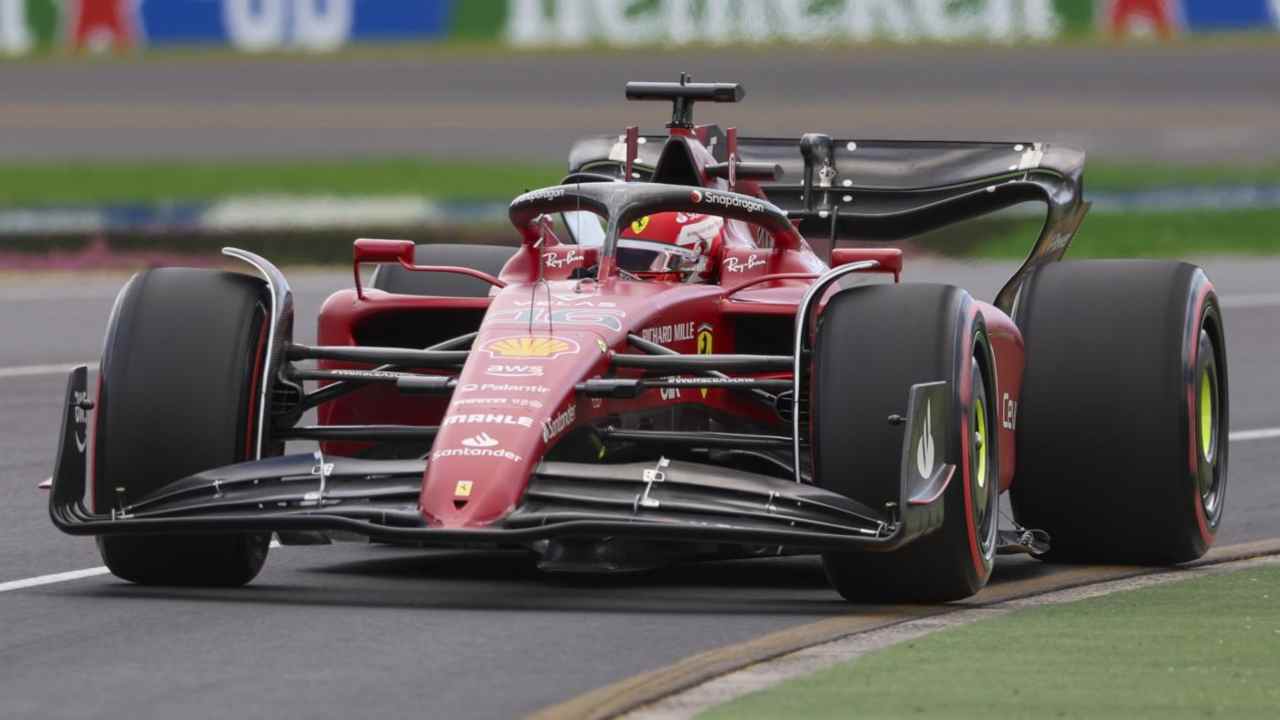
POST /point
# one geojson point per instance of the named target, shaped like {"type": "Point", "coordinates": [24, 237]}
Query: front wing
{"type": "Point", "coordinates": [378, 499]}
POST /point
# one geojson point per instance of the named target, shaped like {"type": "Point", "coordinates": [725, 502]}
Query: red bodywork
{"type": "Point", "coordinates": [516, 400]}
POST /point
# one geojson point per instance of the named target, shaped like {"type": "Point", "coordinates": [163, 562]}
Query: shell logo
{"type": "Point", "coordinates": [524, 347]}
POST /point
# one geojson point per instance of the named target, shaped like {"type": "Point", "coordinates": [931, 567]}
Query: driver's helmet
{"type": "Point", "coordinates": [675, 242]}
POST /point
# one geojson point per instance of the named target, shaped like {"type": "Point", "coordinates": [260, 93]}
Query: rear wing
{"type": "Point", "coordinates": [893, 189]}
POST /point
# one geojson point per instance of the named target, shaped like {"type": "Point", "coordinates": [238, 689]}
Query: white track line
{"type": "Point", "coordinates": [1260, 434]}
{"type": "Point", "coordinates": [68, 576]}
{"type": "Point", "coordinates": [39, 370]}
{"type": "Point", "coordinates": [51, 579]}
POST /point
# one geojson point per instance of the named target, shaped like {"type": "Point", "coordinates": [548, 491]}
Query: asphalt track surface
{"type": "Point", "coordinates": [355, 630]}
{"type": "Point", "coordinates": [1190, 102]}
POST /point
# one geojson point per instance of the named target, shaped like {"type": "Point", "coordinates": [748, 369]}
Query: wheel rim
{"type": "Point", "coordinates": [981, 464]}
{"type": "Point", "coordinates": [1209, 427]}
{"type": "Point", "coordinates": [1208, 414]}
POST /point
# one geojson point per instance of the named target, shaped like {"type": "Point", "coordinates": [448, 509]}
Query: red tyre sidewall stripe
{"type": "Point", "coordinates": [92, 462]}
{"type": "Point", "coordinates": [966, 397]}
{"type": "Point", "coordinates": [259, 355]}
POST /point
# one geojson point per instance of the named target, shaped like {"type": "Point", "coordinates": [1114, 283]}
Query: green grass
{"type": "Point", "coordinates": [1138, 176]}
{"type": "Point", "coordinates": [103, 182]}
{"type": "Point", "coordinates": [1154, 234]}
{"type": "Point", "coordinates": [90, 183]}
{"type": "Point", "coordinates": [1208, 647]}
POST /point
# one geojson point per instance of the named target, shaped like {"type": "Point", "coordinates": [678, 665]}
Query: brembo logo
{"type": "Point", "coordinates": [729, 201]}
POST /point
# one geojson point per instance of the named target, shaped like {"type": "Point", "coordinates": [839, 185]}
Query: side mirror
{"type": "Point", "coordinates": [890, 259]}
{"type": "Point", "coordinates": [373, 250]}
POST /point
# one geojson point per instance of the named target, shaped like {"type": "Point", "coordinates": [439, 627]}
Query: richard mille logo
{"type": "Point", "coordinates": [924, 452]}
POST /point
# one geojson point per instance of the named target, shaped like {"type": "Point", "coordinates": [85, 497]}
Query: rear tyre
{"type": "Point", "coordinates": [485, 258]}
{"type": "Point", "coordinates": [873, 344]}
{"type": "Point", "coordinates": [178, 388]}
{"type": "Point", "coordinates": [1124, 418]}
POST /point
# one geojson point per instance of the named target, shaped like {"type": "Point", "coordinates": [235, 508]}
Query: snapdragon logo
{"type": "Point", "coordinates": [728, 201]}
{"type": "Point", "coordinates": [543, 194]}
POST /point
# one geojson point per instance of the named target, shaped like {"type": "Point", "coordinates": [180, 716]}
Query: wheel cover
{"type": "Point", "coordinates": [981, 445]}
{"type": "Point", "coordinates": [1209, 427]}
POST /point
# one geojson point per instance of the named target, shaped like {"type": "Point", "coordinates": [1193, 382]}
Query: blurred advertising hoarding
{"type": "Point", "coordinates": [250, 25]}
{"type": "Point", "coordinates": [28, 26]}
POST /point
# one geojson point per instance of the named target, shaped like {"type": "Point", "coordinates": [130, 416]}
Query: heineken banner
{"type": "Point", "coordinates": [33, 26]}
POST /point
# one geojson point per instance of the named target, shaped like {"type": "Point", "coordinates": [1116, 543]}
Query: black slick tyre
{"type": "Point", "coordinates": [873, 343]}
{"type": "Point", "coordinates": [178, 383]}
{"type": "Point", "coordinates": [485, 258]}
{"type": "Point", "coordinates": [1124, 418]}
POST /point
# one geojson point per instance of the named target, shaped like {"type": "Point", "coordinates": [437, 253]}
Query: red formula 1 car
{"type": "Point", "coordinates": [677, 363]}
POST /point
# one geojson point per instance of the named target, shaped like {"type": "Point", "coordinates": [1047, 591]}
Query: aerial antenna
{"type": "Point", "coordinates": [683, 95]}
{"type": "Point", "coordinates": [633, 149]}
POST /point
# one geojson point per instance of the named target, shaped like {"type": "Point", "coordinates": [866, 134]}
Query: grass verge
{"type": "Point", "coordinates": [89, 183]}
{"type": "Point", "coordinates": [1194, 649]}
{"type": "Point", "coordinates": [100, 183]}
{"type": "Point", "coordinates": [1148, 234]}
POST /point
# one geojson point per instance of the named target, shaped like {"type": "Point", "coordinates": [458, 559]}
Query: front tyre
{"type": "Point", "coordinates": [179, 379]}
{"type": "Point", "coordinates": [873, 344]}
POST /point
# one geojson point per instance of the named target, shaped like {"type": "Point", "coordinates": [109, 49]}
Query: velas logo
{"type": "Point", "coordinates": [518, 402]}
{"type": "Point", "coordinates": [529, 348]}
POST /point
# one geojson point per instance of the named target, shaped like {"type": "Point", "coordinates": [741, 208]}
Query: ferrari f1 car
{"type": "Point", "coordinates": [755, 382]}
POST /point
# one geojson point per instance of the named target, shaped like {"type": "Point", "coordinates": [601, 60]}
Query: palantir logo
{"type": "Point", "coordinates": [483, 440]}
